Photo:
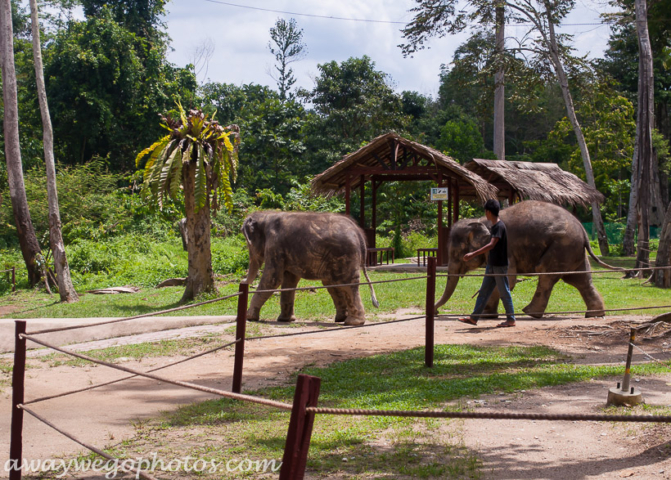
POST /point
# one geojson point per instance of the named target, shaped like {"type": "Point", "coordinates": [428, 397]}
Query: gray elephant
{"type": "Point", "coordinates": [315, 246]}
{"type": "Point", "coordinates": [542, 237]}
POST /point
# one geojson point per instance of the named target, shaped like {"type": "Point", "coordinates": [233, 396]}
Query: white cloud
{"type": "Point", "coordinates": [241, 38]}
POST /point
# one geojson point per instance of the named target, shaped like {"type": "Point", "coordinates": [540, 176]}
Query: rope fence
{"type": "Point", "coordinates": [572, 312]}
{"type": "Point", "coordinates": [540, 274]}
{"type": "Point", "coordinates": [304, 407]}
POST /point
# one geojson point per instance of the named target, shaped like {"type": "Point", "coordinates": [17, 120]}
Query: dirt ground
{"type": "Point", "coordinates": [509, 450]}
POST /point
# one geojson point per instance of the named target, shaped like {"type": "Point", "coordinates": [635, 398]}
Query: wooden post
{"type": "Point", "coordinates": [300, 428]}
{"type": "Point", "coordinates": [373, 219]}
{"type": "Point", "coordinates": [348, 191]}
{"type": "Point", "coordinates": [440, 223]}
{"type": "Point", "coordinates": [362, 214]}
{"type": "Point", "coordinates": [430, 313]}
{"type": "Point", "coordinates": [449, 202]}
{"type": "Point", "coordinates": [456, 202]}
{"type": "Point", "coordinates": [240, 332]}
{"type": "Point", "coordinates": [13, 279]}
{"type": "Point", "coordinates": [18, 390]}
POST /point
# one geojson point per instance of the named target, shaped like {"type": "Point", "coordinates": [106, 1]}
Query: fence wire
{"type": "Point", "coordinates": [93, 387]}
{"type": "Point", "coordinates": [126, 319]}
{"type": "Point", "coordinates": [193, 386]}
{"type": "Point", "coordinates": [139, 473]}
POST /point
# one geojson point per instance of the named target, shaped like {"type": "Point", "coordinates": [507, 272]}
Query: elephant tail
{"type": "Point", "coordinates": [597, 259]}
{"type": "Point", "coordinates": [376, 304]}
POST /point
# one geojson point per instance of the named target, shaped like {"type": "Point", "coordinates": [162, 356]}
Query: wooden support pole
{"type": "Point", "coordinates": [240, 332]}
{"type": "Point", "coordinates": [13, 279]}
{"type": "Point", "coordinates": [300, 428]}
{"type": "Point", "coordinates": [362, 214]}
{"type": "Point", "coordinates": [18, 392]}
{"type": "Point", "coordinates": [348, 192]}
{"type": "Point", "coordinates": [373, 219]}
{"type": "Point", "coordinates": [456, 202]}
{"type": "Point", "coordinates": [449, 202]}
{"type": "Point", "coordinates": [440, 223]}
{"type": "Point", "coordinates": [430, 313]}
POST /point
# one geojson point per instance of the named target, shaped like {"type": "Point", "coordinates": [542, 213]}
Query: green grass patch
{"type": "Point", "coordinates": [222, 430]}
{"type": "Point", "coordinates": [317, 305]}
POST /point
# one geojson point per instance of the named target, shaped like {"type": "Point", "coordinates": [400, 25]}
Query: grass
{"type": "Point", "coordinates": [374, 447]}
{"type": "Point", "coordinates": [317, 305]}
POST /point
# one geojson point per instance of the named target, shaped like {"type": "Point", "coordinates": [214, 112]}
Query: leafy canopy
{"type": "Point", "coordinates": [193, 140]}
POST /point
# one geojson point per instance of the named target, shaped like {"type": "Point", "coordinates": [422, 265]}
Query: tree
{"type": "Point", "coordinates": [65, 288]}
{"type": "Point", "coordinates": [30, 247]}
{"type": "Point", "coordinates": [353, 103]}
{"type": "Point", "coordinates": [288, 48]}
{"type": "Point", "coordinates": [200, 156]}
{"type": "Point", "coordinates": [140, 17]}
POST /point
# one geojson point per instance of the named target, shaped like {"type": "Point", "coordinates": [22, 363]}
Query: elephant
{"type": "Point", "coordinates": [315, 246]}
{"type": "Point", "coordinates": [542, 237]}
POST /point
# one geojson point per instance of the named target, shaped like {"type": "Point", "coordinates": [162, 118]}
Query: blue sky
{"type": "Point", "coordinates": [240, 37]}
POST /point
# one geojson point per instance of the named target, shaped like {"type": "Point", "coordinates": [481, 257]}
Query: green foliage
{"type": "Point", "coordinates": [299, 198]}
{"type": "Point", "coordinates": [288, 48]}
{"type": "Point", "coordinates": [104, 85]}
{"type": "Point", "coordinates": [461, 140]}
{"type": "Point", "coordinates": [193, 140]}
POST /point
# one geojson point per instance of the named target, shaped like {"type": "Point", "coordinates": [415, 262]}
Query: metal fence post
{"type": "Point", "coordinates": [430, 310]}
{"type": "Point", "coordinates": [297, 445]}
{"type": "Point", "coordinates": [13, 279]}
{"type": "Point", "coordinates": [18, 389]}
{"type": "Point", "coordinates": [240, 332]}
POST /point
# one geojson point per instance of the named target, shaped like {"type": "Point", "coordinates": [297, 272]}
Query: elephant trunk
{"type": "Point", "coordinates": [452, 281]}
{"type": "Point", "coordinates": [254, 265]}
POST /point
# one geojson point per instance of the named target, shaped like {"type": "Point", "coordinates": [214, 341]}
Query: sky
{"type": "Point", "coordinates": [239, 38]}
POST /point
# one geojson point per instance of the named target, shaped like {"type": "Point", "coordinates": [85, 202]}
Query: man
{"type": "Point", "coordinates": [497, 263]}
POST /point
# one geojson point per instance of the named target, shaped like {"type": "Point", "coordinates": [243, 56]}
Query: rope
{"type": "Point", "coordinates": [193, 386]}
{"type": "Point", "coordinates": [522, 314]}
{"type": "Point", "coordinates": [493, 415]}
{"type": "Point", "coordinates": [339, 329]}
{"type": "Point", "coordinates": [177, 309]}
{"type": "Point", "coordinates": [337, 286]}
{"type": "Point", "coordinates": [5, 271]}
{"type": "Point", "coordinates": [93, 387]}
{"type": "Point", "coordinates": [539, 274]}
{"type": "Point", "coordinates": [646, 354]}
{"type": "Point", "coordinates": [138, 472]}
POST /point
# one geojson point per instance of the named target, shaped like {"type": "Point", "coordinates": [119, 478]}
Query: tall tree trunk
{"type": "Point", "coordinates": [632, 213]}
{"type": "Point", "coordinates": [662, 278]}
{"type": "Point", "coordinates": [30, 248]}
{"type": "Point", "coordinates": [499, 91]}
{"type": "Point", "coordinates": [646, 105]}
{"type": "Point", "coordinates": [65, 288]}
{"type": "Point", "coordinates": [570, 111]}
{"type": "Point", "coordinates": [198, 224]}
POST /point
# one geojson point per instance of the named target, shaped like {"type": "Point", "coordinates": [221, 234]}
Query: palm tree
{"type": "Point", "coordinates": [200, 157]}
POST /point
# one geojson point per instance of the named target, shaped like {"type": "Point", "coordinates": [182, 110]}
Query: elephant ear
{"type": "Point", "coordinates": [478, 235]}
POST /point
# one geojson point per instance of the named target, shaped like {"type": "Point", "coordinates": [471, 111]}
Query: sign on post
{"type": "Point", "coordinates": [438, 194]}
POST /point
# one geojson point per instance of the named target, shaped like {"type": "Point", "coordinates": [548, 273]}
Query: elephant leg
{"type": "Point", "coordinates": [541, 298]}
{"type": "Point", "coordinates": [270, 280]}
{"type": "Point", "coordinates": [287, 298]}
{"type": "Point", "coordinates": [340, 304]}
{"type": "Point", "coordinates": [356, 315]}
{"type": "Point", "coordinates": [589, 293]}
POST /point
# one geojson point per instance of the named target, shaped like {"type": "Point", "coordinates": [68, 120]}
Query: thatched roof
{"type": "Point", "coordinates": [392, 157]}
{"type": "Point", "coordinates": [536, 181]}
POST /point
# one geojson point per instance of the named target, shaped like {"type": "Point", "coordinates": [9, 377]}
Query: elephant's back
{"type": "Point", "coordinates": [535, 228]}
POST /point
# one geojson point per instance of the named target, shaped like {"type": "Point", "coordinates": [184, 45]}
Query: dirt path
{"type": "Point", "coordinates": [509, 450]}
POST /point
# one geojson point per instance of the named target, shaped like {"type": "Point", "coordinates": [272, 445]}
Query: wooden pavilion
{"type": "Point", "coordinates": [392, 158]}
{"type": "Point", "coordinates": [535, 181]}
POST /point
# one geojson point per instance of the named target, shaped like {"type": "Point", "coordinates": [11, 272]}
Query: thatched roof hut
{"type": "Point", "coordinates": [391, 157]}
{"type": "Point", "coordinates": [536, 181]}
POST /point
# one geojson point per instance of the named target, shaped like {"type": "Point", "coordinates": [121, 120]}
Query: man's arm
{"type": "Point", "coordinates": [482, 250]}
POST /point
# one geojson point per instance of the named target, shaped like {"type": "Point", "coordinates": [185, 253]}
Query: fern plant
{"type": "Point", "coordinates": [197, 140]}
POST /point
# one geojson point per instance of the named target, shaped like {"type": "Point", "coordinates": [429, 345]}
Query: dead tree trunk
{"type": "Point", "coordinates": [646, 103]}
{"type": "Point", "coordinates": [499, 92]}
{"type": "Point", "coordinates": [662, 278]}
{"type": "Point", "coordinates": [198, 224]}
{"type": "Point", "coordinates": [30, 248]}
{"type": "Point", "coordinates": [570, 111]}
{"type": "Point", "coordinates": [65, 288]}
